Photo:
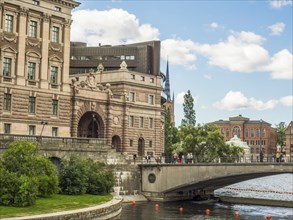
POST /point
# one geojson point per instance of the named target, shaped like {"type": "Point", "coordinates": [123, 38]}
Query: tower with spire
{"type": "Point", "coordinates": [169, 102]}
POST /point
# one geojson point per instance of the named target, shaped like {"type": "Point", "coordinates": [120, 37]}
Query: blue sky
{"type": "Point", "coordinates": [234, 56]}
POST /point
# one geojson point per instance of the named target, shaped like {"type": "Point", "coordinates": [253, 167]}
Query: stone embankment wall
{"type": "Point", "coordinates": [128, 179]}
{"type": "Point", "coordinates": [107, 210]}
{"type": "Point", "coordinates": [254, 201]}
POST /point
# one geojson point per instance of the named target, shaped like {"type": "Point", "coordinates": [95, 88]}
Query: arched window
{"type": "Point", "coordinates": [227, 133]}
{"type": "Point", "coordinates": [236, 131]}
{"type": "Point", "coordinates": [257, 132]}
{"type": "Point", "coordinates": [251, 132]}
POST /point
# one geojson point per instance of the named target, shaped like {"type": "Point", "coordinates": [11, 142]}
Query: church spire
{"type": "Point", "coordinates": [167, 83]}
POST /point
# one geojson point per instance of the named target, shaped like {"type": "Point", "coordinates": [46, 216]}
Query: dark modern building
{"type": "Point", "coordinates": [140, 57]}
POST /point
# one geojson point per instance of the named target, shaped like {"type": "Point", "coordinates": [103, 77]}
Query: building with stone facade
{"type": "Point", "coordinates": [39, 97]}
{"type": "Point", "coordinates": [258, 134]}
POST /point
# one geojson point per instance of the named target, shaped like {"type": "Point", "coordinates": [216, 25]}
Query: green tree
{"type": "Point", "coordinates": [26, 175]}
{"type": "Point", "coordinates": [73, 176]}
{"type": "Point", "coordinates": [281, 135]}
{"type": "Point", "coordinates": [100, 178]}
{"type": "Point", "coordinates": [188, 109]}
{"type": "Point", "coordinates": [206, 143]}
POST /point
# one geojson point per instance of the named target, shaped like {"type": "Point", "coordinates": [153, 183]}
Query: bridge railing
{"type": "Point", "coordinates": [171, 160]}
{"type": "Point", "coordinates": [7, 138]}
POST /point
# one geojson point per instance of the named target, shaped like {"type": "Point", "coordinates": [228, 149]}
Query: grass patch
{"type": "Point", "coordinates": [55, 203]}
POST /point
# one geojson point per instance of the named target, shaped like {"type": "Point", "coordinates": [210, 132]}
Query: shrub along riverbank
{"type": "Point", "coordinates": [55, 203]}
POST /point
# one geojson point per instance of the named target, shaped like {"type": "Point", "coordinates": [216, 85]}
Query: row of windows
{"type": "Point", "coordinates": [31, 130]}
{"type": "Point", "coordinates": [33, 28]}
{"type": "Point", "coordinates": [255, 142]}
{"type": "Point", "coordinates": [31, 71]}
{"type": "Point", "coordinates": [140, 122]}
{"type": "Point", "coordinates": [249, 133]}
{"type": "Point", "coordinates": [142, 78]}
{"type": "Point", "coordinates": [132, 98]}
{"type": "Point", "coordinates": [31, 104]}
{"type": "Point", "coordinates": [122, 57]}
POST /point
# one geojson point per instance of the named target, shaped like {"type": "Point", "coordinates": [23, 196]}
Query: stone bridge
{"type": "Point", "coordinates": [169, 182]}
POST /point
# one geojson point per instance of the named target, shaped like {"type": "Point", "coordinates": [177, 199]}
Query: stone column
{"type": "Point", "coordinates": [20, 71]}
{"type": "Point", "coordinates": [44, 77]}
{"type": "Point", "coordinates": [66, 57]}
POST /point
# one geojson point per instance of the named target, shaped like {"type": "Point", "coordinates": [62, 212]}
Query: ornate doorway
{"type": "Point", "coordinates": [116, 143]}
{"type": "Point", "coordinates": [140, 149]}
{"type": "Point", "coordinates": [90, 126]}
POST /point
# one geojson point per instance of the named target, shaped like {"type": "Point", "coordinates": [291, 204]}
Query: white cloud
{"type": "Point", "coordinates": [237, 101]}
{"type": "Point", "coordinates": [280, 3]}
{"type": "Point", "coordinates": [287, 100]}
{"type": "Point", "coordinates": [179, 52]}
{"type": "Point", "coordinates": [241, 52]}
{"type": "Point", "coordinates": [214, 25]}
{"type": "Point", "coordinates": [207, 76]}
{"type": "Point", "coordinates": [179, 99]}
{"type": "Point", "coordinates": [281, 65]}
{"type": "Point", "coordinates": [277, 28]}
{"type": "Point", "coordinates": [115, 26]}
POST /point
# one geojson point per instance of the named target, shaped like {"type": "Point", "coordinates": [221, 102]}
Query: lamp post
{"type": "Point", "coordinates": [43, 123]}
{"type": "Point", "coordinates": [260, 147]}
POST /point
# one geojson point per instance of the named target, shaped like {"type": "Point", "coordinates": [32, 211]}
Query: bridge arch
{"type": "Point", "coordinates": [91, 125]}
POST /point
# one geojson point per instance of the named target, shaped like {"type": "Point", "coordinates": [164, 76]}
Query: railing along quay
{"type": "Point", "coordinates": [45, 140]}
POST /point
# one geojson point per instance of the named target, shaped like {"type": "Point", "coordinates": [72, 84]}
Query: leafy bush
{"type": "Point", "coordinates": [25, 175]}
{"type": "Point", "coordinates": [101, 179]}
{"type": "Point", "coordinates": [73, 176]}
{"type": "Point", "coordinates": [79, 176]}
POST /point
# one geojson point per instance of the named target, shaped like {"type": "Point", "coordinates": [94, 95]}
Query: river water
{"type": "Point", "coordinates": [193, 210]}
{"type": "Point", "coordinates": [278, 187]}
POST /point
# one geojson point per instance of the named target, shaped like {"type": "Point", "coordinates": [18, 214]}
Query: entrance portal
{"type": "Point", "coordinates": [90, 126]}
{"type": "Point", "coordinates": [116, 143]}
{"type": "Point", "coordinates": [140, 149]}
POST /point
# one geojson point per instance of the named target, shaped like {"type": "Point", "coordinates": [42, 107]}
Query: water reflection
{"type": "Point", "coordinates": [194, 210]}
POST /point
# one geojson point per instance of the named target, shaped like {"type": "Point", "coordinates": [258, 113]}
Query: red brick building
{"type": "Point", "coordinates": [258, 134]}
{"type": "Point", "coordinates": [289, 142]}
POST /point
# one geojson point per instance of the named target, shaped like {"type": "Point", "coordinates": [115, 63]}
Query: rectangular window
{"type": "Point", "coordinates": [8, 23]}
{"type": "Point", "coordinates": [55, 107]}
{"type": "Point", "coordinates": [7, 102]}
{"type": "Point", "coordinates": [57, 8]}
{"type": "Point", "coordinates": [131, 96]}
{"type": "Point", "coordinates": [54, 75]}
{"type": "Point", "coordinates": [151, 99]}
{"type": "Point", "coordinates": [32, 105]}
{"type": "Point", "coordinates": [54, 132]}
{"type": "Point", "coordinates": [246, 132]}
{"type": "Point", "coordinates": [7, 67]}
{"type": "Point", "coordinates": [142, 78]}
{"type": "Point", "coordinates": [152, 80]}
{"type": "Point", "coordinates": [7, 128]}
{"type": "Point", "coordinates": [32, 130]}
{"type": "Point", "coordinates": [55, 34]}
{"type": "Point", "coordinates": [131, 143]}
{"type": "Point", "coordinates": [131, 121]}
{"type": "Point", "coordinates": [141, 122]}
{"type": "Point", "coordinates": [151, 144]}
{"type": "Point", "coordinates": [252, 133]}
{"type": "Point", "coordinates": [151, 122]}
{"type": "Point", "coordinates": [31, 71]}
{"type": "Point", "coordinates": [33, 29]}
{"type": "Point", "coordinates": [35, 2]}
{"type": "Point", "coordinates": [132, 76]}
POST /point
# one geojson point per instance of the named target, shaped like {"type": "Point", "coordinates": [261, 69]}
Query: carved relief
{"type": "Point", "coordinates": [100, 68]}
{"type": "Point", "coordinates": [116, 120]}
{"type": "Point", "coordinates": [91, 79]}
{"type": "Point", "coordinates": [123, 66]}
{"type": "Point", "coordinates": [33, 42]}
{"type": "Point", "coordinates": [8, 36]}
{"type": "Point", "coordinates": [55, 47]}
